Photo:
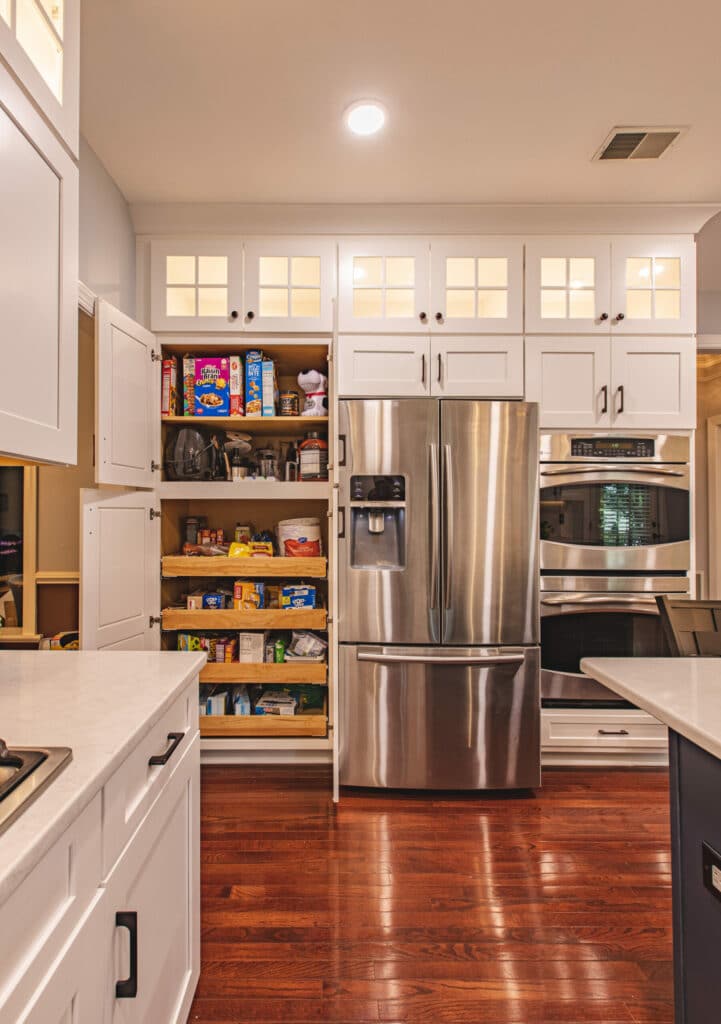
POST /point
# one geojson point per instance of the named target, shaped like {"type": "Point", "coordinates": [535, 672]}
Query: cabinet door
{"type": "Point", "coordinates": [389, 366]}
{"type": "Point", "coordinates": [570, 378]}
{"type": "Point", "coordinates": [654, 382]}
{"type": "Point", "coordinates": [654, 286]}
{"type": "Point", "coordinates": [477, 367]}
{"type": "Point", "coordinates": [568, 285]}
{"type": "Point", "coordinates": [119, 571]}
{"type": "Point", "coordinates": [384, 285]}
{"type": "Point", "coordinates": [127, 402]}
{"type": "Point", "coordinates": [477, 285]}
{"type": "Point", "coordinates": [40, 42]}
{"type": "Point", "coordinates": [38, 285]}
{"type": "Point", "coordinates": [196, 285]}
{"type": "Point", "coordinates": [289, 284]}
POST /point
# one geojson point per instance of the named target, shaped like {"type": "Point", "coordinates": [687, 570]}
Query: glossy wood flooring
{"type": "Point", "coordinates": [545, 909]}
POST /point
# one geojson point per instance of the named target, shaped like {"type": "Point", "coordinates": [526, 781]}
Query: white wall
{"type": "Point", "coordinates": [107, 236]}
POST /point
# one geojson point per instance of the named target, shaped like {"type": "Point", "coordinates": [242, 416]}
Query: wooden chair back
{"type": "Point", "coordinates": [692, 628]}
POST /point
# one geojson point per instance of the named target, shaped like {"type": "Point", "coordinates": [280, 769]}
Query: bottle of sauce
{"type": "Point", "coordinates": [313, 457]}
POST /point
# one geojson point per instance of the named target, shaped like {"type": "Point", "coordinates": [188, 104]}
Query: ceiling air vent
{"type": "Point", "coordinates": [638, 143]}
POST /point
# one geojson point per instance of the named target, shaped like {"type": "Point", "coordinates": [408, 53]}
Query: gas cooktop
{"type": "Point", "coordinates": [24, 774]}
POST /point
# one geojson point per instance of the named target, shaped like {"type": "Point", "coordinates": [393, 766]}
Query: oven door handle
{"type": "Point", "coordinates": [599, 469]}
{"type": "Point", "coordinates": [594, 599]}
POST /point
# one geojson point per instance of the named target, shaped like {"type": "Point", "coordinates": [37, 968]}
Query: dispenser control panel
{"type": "Point", "coordinates": [378, 488]}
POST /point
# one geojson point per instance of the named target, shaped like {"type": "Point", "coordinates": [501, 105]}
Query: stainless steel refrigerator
{"type": "Point", "coordinates": [438, 623]}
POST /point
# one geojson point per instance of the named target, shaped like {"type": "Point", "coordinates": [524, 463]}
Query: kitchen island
{"type": "Point", "coordinates": [685, 695]}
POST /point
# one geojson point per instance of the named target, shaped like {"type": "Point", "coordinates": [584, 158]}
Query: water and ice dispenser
{"type": "Point", "coordinates": [378, 522]}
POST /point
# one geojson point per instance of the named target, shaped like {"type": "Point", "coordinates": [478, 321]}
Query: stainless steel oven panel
{"type": "Point", "coordinates": [613, 473]}
{"type": "Point", "coordinates": [615, 584]}
{"type": "Point", "coordinates": [556, 447]}
{"type": "Point", "coordinates": [580, 558]}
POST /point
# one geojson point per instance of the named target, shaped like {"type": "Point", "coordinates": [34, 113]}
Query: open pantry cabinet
{"type": "Point", "coordinates": [135, 577]}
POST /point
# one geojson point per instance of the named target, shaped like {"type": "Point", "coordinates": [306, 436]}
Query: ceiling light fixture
{"type": "Point", "coordinates": [366, 117]}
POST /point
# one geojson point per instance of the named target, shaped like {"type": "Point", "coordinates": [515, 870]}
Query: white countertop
{"type": "Point", "coordinates": [99, 703]}
{"type": "Point", "coordinates": [683, 693]}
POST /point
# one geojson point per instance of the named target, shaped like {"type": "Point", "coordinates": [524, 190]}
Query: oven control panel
{"type": "Point", "coordinates": [613, 447]}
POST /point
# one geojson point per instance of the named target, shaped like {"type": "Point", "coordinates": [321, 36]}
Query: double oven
{"type": "Point", "coordinates": [615, 529]}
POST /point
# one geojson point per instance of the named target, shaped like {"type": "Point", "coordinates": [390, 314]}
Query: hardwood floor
{"type": "Point", "coordinates": [545, 909]}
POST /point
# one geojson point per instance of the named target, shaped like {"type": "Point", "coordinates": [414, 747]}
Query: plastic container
{"type": "Point", "coordinates": [300, 538]}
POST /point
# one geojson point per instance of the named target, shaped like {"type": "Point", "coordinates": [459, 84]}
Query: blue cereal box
{"type": "Point", "coordinates": [254, 384]}
{"type": "Point", "coordinates": [297, 597]}
{"type": "Point", "coordinates": [212, 386]}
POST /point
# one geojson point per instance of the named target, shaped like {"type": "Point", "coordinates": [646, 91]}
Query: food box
{"type": "Point", "coordinates": [188, 385]}
{"type": "Point", "coordinates": [251, 647]}
{"type": "Point", "coordinates": [236, 386]}
{"type": "Point", "coordinates": [268, 387]}
{"type": "Point", "coordinates": [261, 548]}
{"type": "Point", "coordinates": [241, 701]}
{"type": "Point", "coordinates": [210, 599]}
{"type": "Point", "coordinates": [248, 595]}
{"type": "Point", "coordinates": [276, 702]}
{"type": "Point", "coordinates": [189, 642]}
{"type": "Point", "coordinates": [169, 389]}
{"type": "Point", "coordinates": [212, 387]}
{"type": "Point", "coordinates": [254, 383]}
{"type": "Point", "coordinates": [297, 597]}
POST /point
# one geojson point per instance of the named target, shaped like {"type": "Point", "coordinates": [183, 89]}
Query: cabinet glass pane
{"type": "Point", "coordinates": [180, 269]}
{"type": "Point", "coordinates": [212, 301]}
{"type": "Point", "coordinates": [212, 269]}
{"type": "Point", "coordinates": [54, 11]}
{"type": "Point", "coordinates": [460, 272]}
{"type": "Point", "coordinates": [581, 272]}
{"type": "Point", "coordinates": [305, 302]}
{"type": "Point", "coordinates": [367, 302]}
{"type": "Point", "coordinates": [5, 10]}
{"type": "Point", "coordinates": [582, 304]}
{"type": "Point", "coordinates": [553, 272]}
{"type": "Point", "coordinates": [668, 305]}
{"type": "Point", "coordinates": [638, 304]}
{"type": "Point", "coordinates": [273, 270]}
{"type": "Point", "coordinates": [400, 271]}
{"type": "Point", "coordinates": [492, 272]}
{"type": "Point", "coordinates": [667, 272]}
{"type": "Point", "coordinates": [273, 302]}
{"type": "Point", "coordinates": [368, 272]}
{"type": "Point", "coordinates": [460, 302]}
{"type": "Point", "coordinates": [553, 304]}
{"type": "Point", "coordinates": [492, 304]}
{"type": "Point", "coordinates": [400, 302]}
{"type": "Point", "coordinates": [40, 43]}
{"type": "Point", "coordinates": [180, 302]}
{"type": "Point", "coordinates": [305, 270]}
{"type": "Point", "coordinates": [638, 272]}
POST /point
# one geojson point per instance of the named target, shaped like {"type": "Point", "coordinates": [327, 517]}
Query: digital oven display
{"type": "Point", "coordinates": [613, 447]}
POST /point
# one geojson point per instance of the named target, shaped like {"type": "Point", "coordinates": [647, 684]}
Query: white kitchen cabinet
{"type": "Point", "coordinates": [570, 378]}
{"type": "Point", "coordinates": [476, 285]}
{"type": "Point", "coordinates": [653, 286]}
{"type": "Point", "coordinates": [654, 382]}
{"type": "Point", "coordinates": [381, 366]}
{"type": "Point", "coordinates": [40, 42]}
{"type": "Point", "coordinates": [384, 285]}
{"type": "Point", "coordinates": [38, 285]}
{"type": "Point", "coordinates": [480, 366]}
{"type": "Point", "coordinates": [196, 285]}
{"type": "Point", "coordinates": [572, 736]}
{"type": "Point", "coordinates": [289, 284]}
{"type": "Point", "coordinates": [568, 285]}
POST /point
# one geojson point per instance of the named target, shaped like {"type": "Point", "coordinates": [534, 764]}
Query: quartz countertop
{"type": "Point", "coordinates": [99, 703]}
{"type": "Point", "coordinates": [683, 693]}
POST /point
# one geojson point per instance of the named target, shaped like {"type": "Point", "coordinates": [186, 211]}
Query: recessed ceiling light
{"type": "Point", "coordinates": [366, 117]}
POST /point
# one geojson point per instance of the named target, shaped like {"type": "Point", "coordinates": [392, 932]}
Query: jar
{"type": "Point", "coordinates": [313, 457]}
{"type": "Point", "coordinates": [289, 403]}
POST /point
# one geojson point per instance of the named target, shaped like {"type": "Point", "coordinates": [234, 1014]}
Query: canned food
{"type": "Point", "coordinates": [289, 405]}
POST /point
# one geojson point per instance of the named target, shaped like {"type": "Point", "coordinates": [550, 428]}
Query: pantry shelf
{"type": "Point", "coordinates": [231, 618]}
{"type": "Point", "coordinates": [221, 565]}
{"type": "Point", "coordinates": [248, 672]}
{"type": "Point", "coordinates": [264, 725]}
{"type": "Point", "coordinates": [266, 426]}
{"type": "Point", "coordinates": [244, 490]}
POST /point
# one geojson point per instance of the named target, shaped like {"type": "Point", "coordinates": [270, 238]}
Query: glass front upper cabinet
{"type": "Point", "coordinates": [568, 285]}
{"type": "Point", "coordinates": [477, 285]}
{"type": "Point", "coordinates": [384, 285]}
{"type": "Point", "coordinates": [654, 286]}
{"type": "Point", "coordinates": [196, 285]}
{"type": "Point", "coordinates": [289, 284]}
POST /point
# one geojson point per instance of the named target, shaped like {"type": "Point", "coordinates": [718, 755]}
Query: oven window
{"type": "Point", "coordinates": [614, 514]}
{"type": "Point", "coordinates": [567, 638]}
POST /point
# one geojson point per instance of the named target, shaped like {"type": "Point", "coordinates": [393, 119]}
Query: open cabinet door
{"type": "Point", "coordinates": [127, 403]}
{"type": "Point", "coordinates": [119, 571]}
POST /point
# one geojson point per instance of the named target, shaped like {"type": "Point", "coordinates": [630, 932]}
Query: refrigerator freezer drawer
{"type": "Point", "coordinates": [440, 718]}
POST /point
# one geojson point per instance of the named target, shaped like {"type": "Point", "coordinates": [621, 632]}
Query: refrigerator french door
{"type": "Point", "coordinates": [439, 594]}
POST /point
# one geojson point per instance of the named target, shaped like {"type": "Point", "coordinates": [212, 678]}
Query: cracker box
{"type": "Point", "coordinates": [169, 392]}
{"type": "Point", "coordinates": [268, 387]}
{"type": "Point", "coordinates": [212, 388]}
{"type": "Point", "coordinates": [254, 383]}
{"type": "Point", "coordinates": [248, 595]}
{"type": "Point", "coordinates": [297, 597]}
{"type": "Point", "coordinates": [236, 386]}
{"type": "Point", "coordinates": [251, 647]}
{"type": "Point", "coordinates": [188, 385]}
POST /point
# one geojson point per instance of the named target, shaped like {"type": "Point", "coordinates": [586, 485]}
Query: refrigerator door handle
{"type": "Point", "coordinates": [435, 515]}
{"type": "Point", "coordinates": [398, 656]}
{"type": "Point", "coordinates": [448, 526]}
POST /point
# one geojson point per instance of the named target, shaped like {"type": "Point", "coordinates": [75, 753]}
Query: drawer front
{"type": "Point", "coordinates": [131, 791]}
{"type": "Point", "coordinates": [41, 913]}
{"type": "Point", "coordinates": [602, 730]}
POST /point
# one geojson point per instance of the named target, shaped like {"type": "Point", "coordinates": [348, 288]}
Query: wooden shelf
{"type": "Point", "coordinates": [315, 672]}
{"type": "Point", "coordinates": [221, 565]}
{"type": "Point", "coordinates": [255, 490]}
{"type": "Point", "coordinates": [264, 725]}
{"type": "Point", "coordinates": [230, 618]}
{"type": "Point", "coordinates": [291, 354]}
{"type": "Point", "coordinates": [266, 426]}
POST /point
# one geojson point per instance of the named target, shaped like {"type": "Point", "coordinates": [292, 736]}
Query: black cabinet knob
{"type": "Point", "coordinates": [234, 314]}
{"type": "Point", "coordinates": [422, 317]}
{"type": "Point", "coordinates": [439, 317]}
{"type": "Point", "coordinates": [250, 315]}
{"type": "Point", "coordinates": [620, 317]}
{"type": "Point", "coordinates": [603, 316]}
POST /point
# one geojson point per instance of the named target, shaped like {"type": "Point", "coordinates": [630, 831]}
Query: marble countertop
{"type": "Point", "coordinates": [683, 693]}
{"type": "Point", "coordinates": [99, 703]}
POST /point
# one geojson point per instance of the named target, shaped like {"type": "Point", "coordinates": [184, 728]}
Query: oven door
{"type": "Point", "coordinates": [593, 625]}
{"type": "Point", "coordinates": [615, 518]}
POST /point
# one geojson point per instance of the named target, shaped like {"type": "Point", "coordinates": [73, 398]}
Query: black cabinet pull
{"type": "Point", "coordinates": [176, 738]}
{"type": "Point", "coordinates": [422, 317]}
{"type": "Point", "coordinates": [620, 317]}
{"type": "Point", "coordinates": [440, 368]}
{"type": "Point", "coordinates": [234, 314]}
{"type": "Point", "coordinates": [613, 732]}
{"type": "Point", "coordinates": [250, 315]}
{"type": "Point", "coordinates": [604, 391]}
{"type": "Point", "coordinates": [423, 368]}
{"type": "Point", "coordinates": [620, 395]}
{"type": "Point", "coordinates": [128, 988]}
{"type": "Point", "coordinates": [341, 441]}
{"type": "Point", "coordinates": [341, 527]}
{"type": "Point", "coordinates": [439, 317]}
{"type": "Point", "coordinates": [603, 316]}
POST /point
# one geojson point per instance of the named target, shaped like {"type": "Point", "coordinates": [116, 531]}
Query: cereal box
{"type": "Point", "coordinates": [254, 384]}
{"type": "Point", "coordinates": [212, 389]}
{"type": "Point", "coordinates": [268, 387]}
{"type": "Point", "coordinates": [299, 596]}
{"type": "Point", "coordinates": [236, 386]}
{"type": "Point", "coordinates": [188, 385]}
{"type": "Point", "coordinates": [169, 392]}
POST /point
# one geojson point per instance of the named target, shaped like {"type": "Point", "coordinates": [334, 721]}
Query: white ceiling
{"type": "Point", "coordinates": [241, 100]}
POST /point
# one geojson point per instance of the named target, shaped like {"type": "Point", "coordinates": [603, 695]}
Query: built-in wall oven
{"type": "Point", "coordinates": [615, 529]}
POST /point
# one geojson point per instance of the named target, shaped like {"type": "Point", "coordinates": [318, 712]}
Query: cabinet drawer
{"type": "Point", "coordinates": [41, 913]}
{"type": "Point", "coordinates": [601, 729]}
{"type": "Point", "coordinates": [131, 791]}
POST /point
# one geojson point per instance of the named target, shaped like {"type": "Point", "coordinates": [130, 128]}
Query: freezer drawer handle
{"type": "Point", "coordinates": [430, 659]}
{"type": "Point", "coordinates": [128, 988]}
{"type": "Point", "coordinates": [613, 732]}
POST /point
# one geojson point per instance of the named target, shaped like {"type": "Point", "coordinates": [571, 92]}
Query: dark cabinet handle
{"type": "Point", "coordinates": [422, 317]}
{"type": "Point", "coordinates": [128, 988]}
{"type": "Point", "coordinates": [603, 316]}
{"type": "Point", "coordinates": [234, 314]}
{"type": "Point", "coordinates": [176, 738]}
{"type": "Point", "coordinates": [341, 527]}
{"type": "Point", "coordinates": [341, 441]}
{"type": "Point", "coordinates": [604, 391]}
{"type": "Point", "coordinates": [423, 368]}
{"type": "Point", "coordinates": [620, 395]}
{"type": "Point", "coordinates": [439, 317]}
{"type": "Point", "coordinates": [613, 732]}
{"type": "Point", "coordinates": [440, 368]}
{"type": "Point", "coordinates": [620, 317]}
{"type": "Point", "coordinates": [250, 315]}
